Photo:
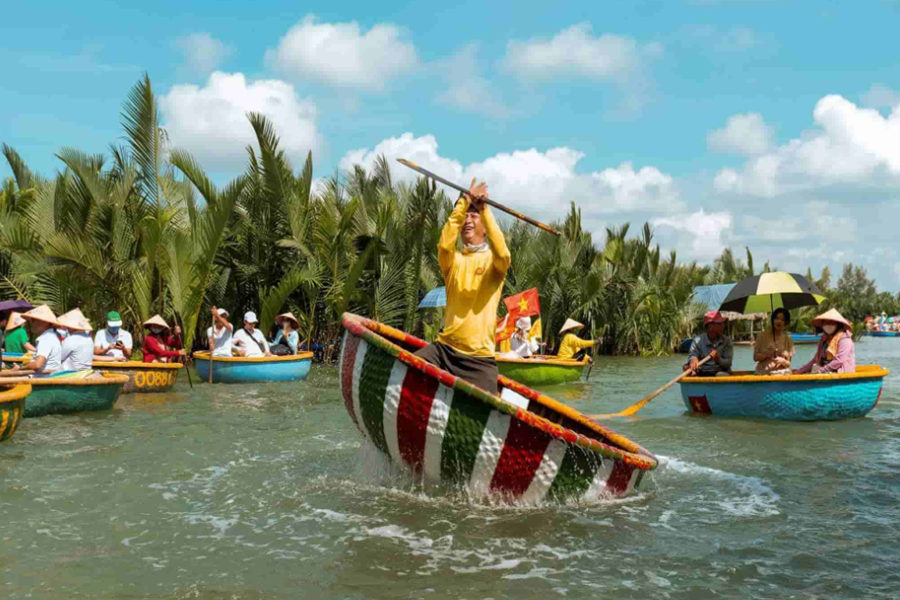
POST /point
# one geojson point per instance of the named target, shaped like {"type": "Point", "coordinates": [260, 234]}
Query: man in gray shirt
{"type": "Point", "coordinates": [715, 344]}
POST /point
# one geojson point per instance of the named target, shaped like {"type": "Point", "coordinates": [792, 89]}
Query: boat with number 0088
{"type": "Point", "coordinates": [143, 377]}
{"type": "Point", "coordinates": [520, 445]}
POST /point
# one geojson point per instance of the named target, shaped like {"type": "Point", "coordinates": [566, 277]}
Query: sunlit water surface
{"type": "Point", "coordinates": [265, 491]}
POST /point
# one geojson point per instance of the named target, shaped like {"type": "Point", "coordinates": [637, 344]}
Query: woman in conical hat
{"type": "Point", "coordinates": [571, 343]}
{"type": "Point", "coordinates": [77, 347]}
{"type": "Point", "coordinates": [16, 340]}
{"type": "Point", "coordinates": [287, 335]}
{"type": "Point", "coordinates": [836, 352]}
{"type": "Point", "coordinates": [158, 341]}
{"type": "Point", "coordinates": [47, 347]}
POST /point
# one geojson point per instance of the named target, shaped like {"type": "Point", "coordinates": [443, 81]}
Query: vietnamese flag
{"type": "Point", "coordinates": [525, 304]}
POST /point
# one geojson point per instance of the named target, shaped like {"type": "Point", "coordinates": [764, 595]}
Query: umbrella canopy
{"type": "Point", "coordinates": [16, 305]}
{"type": "Point", "coordinates": [768, 291]}
{"type": "Point", "coordinates": [435, 298]}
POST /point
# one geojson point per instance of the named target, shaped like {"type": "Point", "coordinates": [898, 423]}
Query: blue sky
{"type": "Point", "coordinates": [733, 122]}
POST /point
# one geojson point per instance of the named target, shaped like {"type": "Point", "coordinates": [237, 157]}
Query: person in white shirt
{"type": "Point", "coordinates": [77, 349]}
{"type": "Point", "coordinates": [249, 340]}
{"type": "Point", "coordinates": [221, 342]}
{"type": "Point", "coordinates": [113, 343]}
{"type": "Point", "coordinates": [519, 343]}
{"type": "Point", "coordinates": [47, 347]}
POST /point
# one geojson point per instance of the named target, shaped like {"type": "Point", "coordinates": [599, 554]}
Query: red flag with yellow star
{"type": "Point", "coordinates": [525, 304]}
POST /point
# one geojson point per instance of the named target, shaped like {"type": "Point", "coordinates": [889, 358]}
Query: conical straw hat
{"type": "Point", "coordinates": [74, 319]}
{"type": "Point", "coordinates": [289, 316]}
{"type": "Point", "coordinates": [15, 320]}
{"type": "Point", "coordinates": [570, 324]}
{"type": "Point", "coordinates": [156, 320]}
{"type": "Point", "coordinates": [41, 313]}
{"type": "Point", "coordinates": [831, 315]}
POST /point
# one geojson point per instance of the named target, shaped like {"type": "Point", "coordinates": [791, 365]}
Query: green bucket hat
{"type": "Point", "coordinates": [113, 319]}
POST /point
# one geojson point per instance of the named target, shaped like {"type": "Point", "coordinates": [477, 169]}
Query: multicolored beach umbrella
{"type": "Point", "coordinates": [768, 291]}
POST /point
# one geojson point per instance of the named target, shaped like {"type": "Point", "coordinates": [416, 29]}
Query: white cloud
{"type": "Point", "coordinates": [880, 96]}
{"type": "Point", "coordinates": [202, 52]}
{"type": "Point", "coordinates": [341, 55]}
{"type": "Point", "coordinates": [812, 221]}
{"type": "Point", "coordinates": [211, 122]}
{"type": "Point", "coordinates": [706, 233]}
{"type": "Point", "coordinates": [743, 134]}
{"type": "Point", "coordinates": [538, 183]}
{"type": "Point", "coordinates": [850, 145]}
{"type": "Point", "coordinates": [576, 52]}
{"type": "Point", "coordinates": [897, 270]}
{"type": "Point", "coordinates": [467, 89]}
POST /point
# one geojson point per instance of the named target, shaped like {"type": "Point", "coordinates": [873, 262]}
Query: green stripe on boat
{"type": "Point", "coordinates": [376, 373]}
{"type": "Point", "coordinates": [575, 474]}
{"type": "Point", "coordinates": [465, 428]}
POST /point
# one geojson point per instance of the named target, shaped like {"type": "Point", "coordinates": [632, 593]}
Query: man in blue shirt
{"type": "Point", "coordinates": [714, 344]}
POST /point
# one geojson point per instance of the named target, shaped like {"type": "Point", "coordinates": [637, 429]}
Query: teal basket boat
{"type": "Point", "coordinates": [884, 333]}
{"type": "Point", "coordinates": [264, 369]}
{"type": "Point", "coordinates": [56, 396]}
{"type": "Point", "coordinates": [827, 397]}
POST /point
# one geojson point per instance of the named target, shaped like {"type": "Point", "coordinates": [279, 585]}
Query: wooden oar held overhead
{"type": "Point", "coordinates": [497, 205]}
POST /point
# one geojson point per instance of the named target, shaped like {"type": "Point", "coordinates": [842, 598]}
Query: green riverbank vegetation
{"type": "Point", "coordinates": [143, 229]}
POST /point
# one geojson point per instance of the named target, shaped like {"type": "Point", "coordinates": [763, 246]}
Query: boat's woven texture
{"type": "Point", "coordinates": [425, 419]}
{"type": "Point", "coordinates": [61, 396]}
{"type": "Point", "coordinates": [786, 399]}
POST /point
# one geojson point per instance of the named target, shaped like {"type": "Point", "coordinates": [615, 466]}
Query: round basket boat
{"type": "Point", "coordinates": [519, 445]}
{"type": "Point", "coordinates": [547, 370]}
{"type": "Point", "coordinates": [788, 397]}
{"type": "Point", "coordinates": [143, 377]}
{"type": "Point", "coordinates": [884, 333]}
{"type": "Point", "coordinates": [12, 405]}
{"type": "Point", "coordinates": [56, 396]}
{"type": "Point", "coordinates": [805, 338]}
{"type": "Point", "coordinates": [238, 369]}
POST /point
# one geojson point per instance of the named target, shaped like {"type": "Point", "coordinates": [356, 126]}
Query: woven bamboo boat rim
{"type": "Point", "coordinates": [862, 372]}
{"type": "Point", "coordinates": [629, 452]}
{"type": "Point", "coordinates": [103, 379]}
{"type": "Point", "coordinates": [555, 362]}
{"type": "Point", "coordinates": [204, 355]}
{"type": "Point", "coordinates": [15, 392]}
{"type": "Point", "coordinates": [133, 364]}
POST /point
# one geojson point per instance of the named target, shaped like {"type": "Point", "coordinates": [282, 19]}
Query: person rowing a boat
{"type": "Point", "coordinates": [571, 343]}
{"type": "Point", "coordinates": [474, 278]}
{"type": "Point", "coordinates": [714, 344]}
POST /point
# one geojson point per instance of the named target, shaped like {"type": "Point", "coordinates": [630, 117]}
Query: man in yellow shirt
{"type": "Point", "coordinates": [572, 343]}
{"type": "Point", "coordinates": [474, 280]}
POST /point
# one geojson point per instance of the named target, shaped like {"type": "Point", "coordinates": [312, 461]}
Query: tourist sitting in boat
{"type": "Point", "coordinates": [160, 345]}
{"type": "Point", "coordinates": [220, 343]}
{"type": "Point", "coordinates": [571, 343]}
{"type": "Point", "coordinates": [47, 350]}
{"type": "Point", "coordinates": [287, 339]}
{"type": "Point", "coordinates": [77, 348]}
{"type": "Point", "coordinates": [521, 346]}
{"type": "Point", "coordinates": [836, 352]}
{"type": "Point", "coordinates": [250, 341]}
{"type": "Point", "coordinates": [474, 279]}
{"type": "Point", "coordinates": [774, 347]}
{"type": "Point", "coordinates": [112, 342]}
{"type": "Point", "coordinates": [715, 344]}
{"type": "Point", "coordinates": [16, 340]}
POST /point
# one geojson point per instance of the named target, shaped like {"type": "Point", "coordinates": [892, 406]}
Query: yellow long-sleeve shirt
{"type": "Point", "coordinates": [474, 283]}
{"type": "Point", "coordinates": [571, 344]}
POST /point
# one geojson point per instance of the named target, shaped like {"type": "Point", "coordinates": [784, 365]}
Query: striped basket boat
{"type": "Point", "coordinates": [521, 446]}
{"type": "Point", "coordinates": [12, 405]}
{"type": "Point", "coordinates": [788, 397]}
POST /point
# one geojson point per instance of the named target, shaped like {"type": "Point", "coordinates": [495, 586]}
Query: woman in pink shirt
{"type": "Point", "coordinates": [836, 352]}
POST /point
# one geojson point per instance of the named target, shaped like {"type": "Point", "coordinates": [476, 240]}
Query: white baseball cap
{"type": "Point", "coordinates": [222, 312]}
{"type": "Point", "coordinates": [250, 317]}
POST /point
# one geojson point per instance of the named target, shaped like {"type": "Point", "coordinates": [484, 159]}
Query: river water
{"type": "Point", "coordinates": [242, 492]}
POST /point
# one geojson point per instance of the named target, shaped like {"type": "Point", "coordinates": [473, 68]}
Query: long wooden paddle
{"type": "Point", "coordinates": [639, 405]}
{"type": "Point", "coordinates": [184, 359]}
{"type": "Point", "coordinates": [497, 205]}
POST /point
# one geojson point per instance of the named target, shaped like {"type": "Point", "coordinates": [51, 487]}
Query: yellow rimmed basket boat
{"type": "Point", "coordinates": [787, 397]}
{"type": "Point", "coordinates": [142, 377]}
{"type": "Point", "coordinates": [519, 445]}
{"type": "Point", "coordinates": [542, 370]}
{"type": "Point", "coordinates": [69, 394]}
{"type": "Point", "coordinates": [263, 369]}
{"type": "Point", "coordinates": [12, 407]}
